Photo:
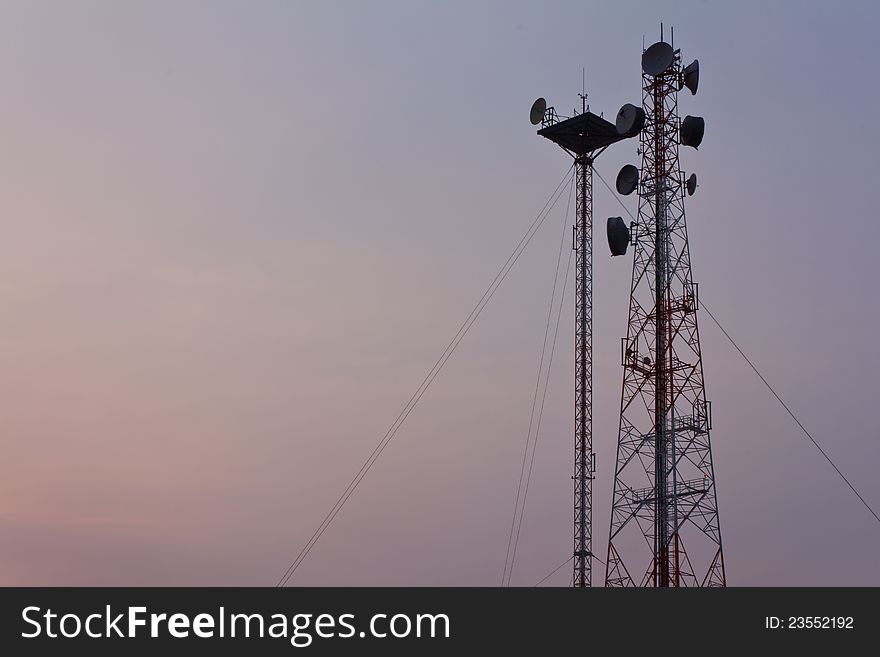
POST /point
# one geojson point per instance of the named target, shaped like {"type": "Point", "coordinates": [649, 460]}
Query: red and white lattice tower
{"type": "Point", "coordinates": [664, 517]}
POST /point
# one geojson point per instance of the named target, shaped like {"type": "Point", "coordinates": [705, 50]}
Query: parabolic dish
{"type": "Point", "coordinates": [691, 184]}
{"type": "Point", "coordinates": [658, 58]}
{"type": "Point", "coordinates": [536, 114]}
{"type": "Point", "coordinates": [627, 179]}
{"type": "Point", "coordinates": [692, 129]}
{"type": "Point", "coordinates": [630, 120]}
{"type": "Point", "coordinates": [692, 76]}
{"type": "Point", "coordinates": [618, 236]}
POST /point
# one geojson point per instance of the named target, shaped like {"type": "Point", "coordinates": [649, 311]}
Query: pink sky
{"type": "Point", "coordinates": [235, 236]}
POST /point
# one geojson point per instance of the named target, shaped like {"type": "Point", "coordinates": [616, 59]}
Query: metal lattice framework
{"type": "Point", "coordinates": [664, 517]}
{"type": "Point", "coordinates": [583, 375]}
{"type": "Point", "coordinates": [584, 137]}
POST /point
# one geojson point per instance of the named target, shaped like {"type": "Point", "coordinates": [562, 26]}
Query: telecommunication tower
{"type": "Point", "coordinates": [583, 136]}
{"type": "Point", "coordinates": [664, 517]}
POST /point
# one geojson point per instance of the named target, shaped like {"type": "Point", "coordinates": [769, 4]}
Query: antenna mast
{"type": "Point", "coordinates": [584, 137]}
{"type": "Point", "coordinates": [664, 480]}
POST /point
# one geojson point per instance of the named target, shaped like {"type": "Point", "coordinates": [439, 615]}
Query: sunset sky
{"type": "Point", "coordinates": [235, 236]}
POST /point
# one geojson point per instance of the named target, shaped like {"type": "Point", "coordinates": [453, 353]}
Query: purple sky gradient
{"type": "Point", "coordinates": [236, 235]}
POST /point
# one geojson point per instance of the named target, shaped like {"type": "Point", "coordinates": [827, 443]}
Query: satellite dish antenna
{"type": "Point", "coordinates": [692, 76]}
{"type": "Point", "coordinates": [618, 236]}
{"type": "Point", "coordinates": [692, 129]}
{"type": "Point", "coordinates": [630, 120]}
{"type": "Point", "coordinates": [691, 184]}
{"type": "Point", "coordinates": [536, 114]}
{"type": "Point", "coordinates": [657, 59]}
{"type": "Point", "coordinates": [627, 180]}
